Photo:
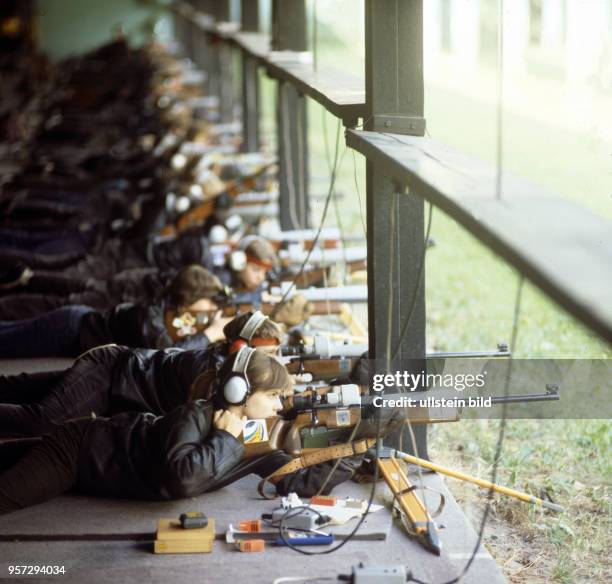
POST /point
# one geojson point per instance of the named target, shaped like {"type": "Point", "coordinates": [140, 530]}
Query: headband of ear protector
{"type": "Point", "coordinates": [245, 336]}
{"type": "Point", "coordinates": [238, 258]}
{"type": "Point", "coordinates": [237, 387]}
{"type": "Point", "coordinates": [251, 325]}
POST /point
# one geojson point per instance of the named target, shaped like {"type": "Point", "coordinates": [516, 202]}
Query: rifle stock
{"type": "Point", "coordinates": [286, 434]}
{"type": "Point", "coordinates": [318, 307]}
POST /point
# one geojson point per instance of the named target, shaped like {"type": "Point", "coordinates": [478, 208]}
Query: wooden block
{"type": "Point", "coordinates": [171, 530]}
{"type": "Point", "coordinates": [183, 546]}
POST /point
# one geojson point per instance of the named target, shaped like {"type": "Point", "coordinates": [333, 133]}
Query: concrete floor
{"type": "Point", "coordinates": [132, 559]}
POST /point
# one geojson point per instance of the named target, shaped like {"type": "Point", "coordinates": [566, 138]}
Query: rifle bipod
{"type": "Point", "coordinates": [526, 497]}
{"type": "Point", "coordinates": [411, 508]}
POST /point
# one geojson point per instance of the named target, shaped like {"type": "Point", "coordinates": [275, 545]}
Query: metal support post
{"type": "Point", "coordinates": [202, 50]}
{"type": "Point", "coordinates": [394, 96]}
{"type": "Point", "coordinates": [250, 81]}
{"type": "Point", "coordinates": [289, 34]}
{"type": "Point", "coordinates": [224, 67]}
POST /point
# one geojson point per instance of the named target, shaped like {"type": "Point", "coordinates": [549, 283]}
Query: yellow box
{"type": "Point", "coordinates": [183, 546]}
{"type": "Point", "coordinates": [170, 530]}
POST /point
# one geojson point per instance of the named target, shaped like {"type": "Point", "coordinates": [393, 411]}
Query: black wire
{"type": "Point", "coordinates": [500, 439]}
{"type": "Point", "coordinates": [498, 446]}
{"type": "Point", "coordinates": [316, 239]}
{"type": "Point", "coordinates": [418, 284]}
{"type": "Point", "coordinates": [502, 429]}
{"type": "Point", "coordinates": [411, 578]}
{"type": "Point", "coordinates": [335, 199]}
{"type": "Point", "coordinates": [365, 513]}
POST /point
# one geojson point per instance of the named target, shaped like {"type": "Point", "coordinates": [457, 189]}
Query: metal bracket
{"type": "Point", "coordinates": [414, 126]}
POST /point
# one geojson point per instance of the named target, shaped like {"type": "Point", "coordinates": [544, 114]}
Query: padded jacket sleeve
{"type": "Point", "coordinates": [195, 455]}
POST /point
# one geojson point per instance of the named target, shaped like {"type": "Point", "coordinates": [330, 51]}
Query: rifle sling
{"type": "Point", "coordinates": [315, 457]}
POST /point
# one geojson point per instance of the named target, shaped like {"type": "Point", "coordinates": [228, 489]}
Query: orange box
{"type": "Point", "coordinates": [323, 500]}
{"type": "Point", "coordinates": [251, 545]}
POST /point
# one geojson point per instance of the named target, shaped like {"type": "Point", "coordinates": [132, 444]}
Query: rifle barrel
{"type": "Point", "coordinates": [530, 397]}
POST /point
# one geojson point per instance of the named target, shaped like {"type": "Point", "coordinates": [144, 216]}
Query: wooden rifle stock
{"type": "Point", "coordinates": [317, 275]}
{"type": "Point", "coordinates": [319, 307]}
{"type": "Point", "coordinates": [199, 214]}
{"type": "Point", "coordinates": [285, 434]}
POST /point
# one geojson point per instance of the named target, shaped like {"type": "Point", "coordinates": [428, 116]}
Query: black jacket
{"type": "Point", "coordinates": [156, 457]}
{"type": "Point", "coordinates": [134, 285]}
{"type": "Point", "coordinates": [180, 455]}
{"type": "Point", "coordinates": [190, 247]}
{"type": "Point", "coordinates": [158, 381]}
{"type": "Point", "coordinates": [105, 381]}
{"type": "Point", "coordinates": [133, 325]}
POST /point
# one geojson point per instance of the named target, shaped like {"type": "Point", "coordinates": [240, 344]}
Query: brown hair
{"type": "Point", "coordinates": [190, 284]}
{"type": "Point", "coordinates": [268, 329]}
{"type": "Point", "coordinates": [261, 249]}
{"type": "Point", "coordinates": [263, 372]}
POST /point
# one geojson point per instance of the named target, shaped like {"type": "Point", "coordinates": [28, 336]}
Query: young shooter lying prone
{"type": "Point", "coordinates": [113, 379]}
{"type": "Point", "coordinates": [71, 330]}
{"type": "Point", "coordinates": [191, 450]}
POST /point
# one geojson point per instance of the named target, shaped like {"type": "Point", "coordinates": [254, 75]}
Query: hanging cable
{"type": "Point", "coordinates": [335, 195]}
{"type": "Point", "coordinates": [315, 36]}
{"type": "Point", "coordinates": [363, 222]}
{"type": "Point", "coordinates": [318, 234]}
{"type": "Point", "coordinates": [303, 198]}
{"type": "Point", "coordinates": [500, 99]}
{"type": "Point", "coordinates": [515, 323]}
{"type": "Point", "coordinates": [392, 355]}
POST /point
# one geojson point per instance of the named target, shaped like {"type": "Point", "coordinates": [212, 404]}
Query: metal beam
{"type": "Point", "coordinates": [249, 15]}
{"type": "Point", "coordinates": [394, 54]}
{"type": "Point", "coordinates": [203, 54]}
{"type": "Point", "coordinates": [289, 34]}
{"type": "Point", "coordinates": [561, 247]}
{"type": "Point", "coordinates": [249, 20]}
{"type": "Point", "coordinates": [223, 52]}
{"type": "Point", "coordinates": [289, 25]}
{"type": "Point", "coordinates": [221, 10]}
{"type": "Point", "coordinates": [394, 98]}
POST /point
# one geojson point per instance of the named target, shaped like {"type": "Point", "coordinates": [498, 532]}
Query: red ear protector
{"type": "Point", "coordinates": [254, 342]}
{"type": "Point", "coordinates": [259, 342]}
{"type": "Point", "coordinates": [247, 334]}
{"type": "Point", "coordinates": [236, 346]}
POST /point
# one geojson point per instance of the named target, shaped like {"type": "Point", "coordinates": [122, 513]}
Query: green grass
{"type": "Point", "coordinates": [566, 460]}
{"type": "Point", "coordinates": [470, 302]}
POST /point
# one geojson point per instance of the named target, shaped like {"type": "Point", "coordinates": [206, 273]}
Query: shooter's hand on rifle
{"type": "Point", "coordinates": [228, 421]}
{"type": "Point", "coordinates": [215, 331]}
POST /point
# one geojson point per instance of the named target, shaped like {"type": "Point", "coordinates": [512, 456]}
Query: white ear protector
{"type": "Point", "coordinates": [218, 234]}
{"type": "Point", "coordinates": [251, 325]}
{"type": "Point", "coordinates": [237, 387]}
{"type": "Point", "coordinates": [238, 260]}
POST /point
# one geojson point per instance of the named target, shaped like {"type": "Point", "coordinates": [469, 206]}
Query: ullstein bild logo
{"type": "Point", "coordinates": [432, 402]}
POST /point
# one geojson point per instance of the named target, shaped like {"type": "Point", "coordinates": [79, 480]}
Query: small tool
{"type": "Point", "coordinates": [193, 520]}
